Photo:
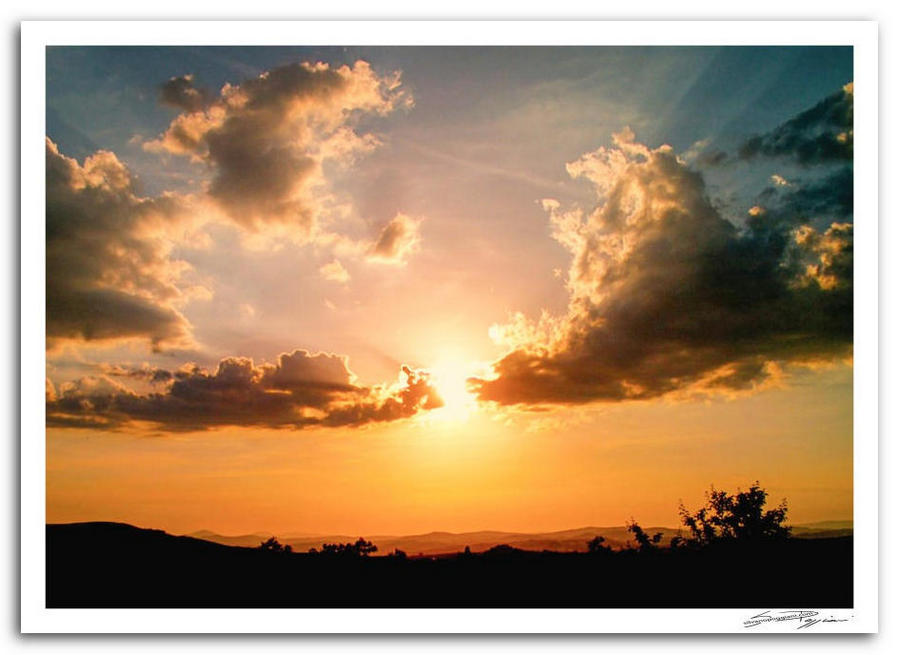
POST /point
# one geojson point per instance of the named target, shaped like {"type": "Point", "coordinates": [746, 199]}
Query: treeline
{"type": "Point", "coordinates": [734, 553]}
{"type": "Point", "coordinates": [740, 518]}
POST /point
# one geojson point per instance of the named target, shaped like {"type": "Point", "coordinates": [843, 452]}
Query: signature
{"type": "Point", "coordinates": [805, 618]}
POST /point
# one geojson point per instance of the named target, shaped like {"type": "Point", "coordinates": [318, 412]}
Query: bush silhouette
{"type": "Point", "coordinates": [740, 517]}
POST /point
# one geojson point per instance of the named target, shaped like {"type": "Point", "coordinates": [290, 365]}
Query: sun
{"type": "Point", "coordinates": [448, 375]}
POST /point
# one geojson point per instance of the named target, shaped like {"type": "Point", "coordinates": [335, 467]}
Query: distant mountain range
{"type": "Point", "coordinates": [438, 543]}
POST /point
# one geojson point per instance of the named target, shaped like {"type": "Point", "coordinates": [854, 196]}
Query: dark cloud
{"type": "Point", "coordinates": [109, 270]}
{"type": "Point", "coordinates": [668, 296]}
{"type": "Point", "coordinates": [180, 92]}
{"type": "Point", "coordinates": [265, 139]}
{"type": "Point", "coordinates": [300, 390]}
{"type": "Point", "coordinates": [823, 199]}
{"type": "Point", "coordinates": [823, 133]}
{"type": "Point", "coordinates": [711, 158]}
{"type": "Point", "coordinates": [152, 374]}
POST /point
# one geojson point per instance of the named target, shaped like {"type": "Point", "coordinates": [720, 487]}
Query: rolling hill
{"type": "Point", "coordinates": [439, 543]}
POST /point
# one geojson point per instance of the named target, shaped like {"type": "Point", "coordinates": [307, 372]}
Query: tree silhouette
{"type": "Point", "coordinates": [272, 545]}
{"type": "Point", "coordinates": [501, 550]}
{"type": "Point", "coordinates": [739, 517]}
{"type": "Point", "coordinates": [645, 541]}
{"type": "Point", "coordinates": [595, 545]}
{"type": "Point", "coordinates": [364, 548]}
{"type": "Point", "coordinates": [360, 548]}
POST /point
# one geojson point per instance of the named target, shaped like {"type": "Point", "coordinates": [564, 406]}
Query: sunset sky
{"type": "Point", "coordinates": [394, 290]}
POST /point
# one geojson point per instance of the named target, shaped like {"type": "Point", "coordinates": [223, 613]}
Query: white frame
{"type": "Point", "coordinates": [37, 35]}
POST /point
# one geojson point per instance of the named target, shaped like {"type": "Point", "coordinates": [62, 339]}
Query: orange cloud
{"type": "Point", "coordinates": [301, 390]}
{"type": "Point", "coordinates": [666, 295]}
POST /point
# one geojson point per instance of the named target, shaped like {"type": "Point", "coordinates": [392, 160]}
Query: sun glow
{"type": "Point", "coordinates": [449, 375]}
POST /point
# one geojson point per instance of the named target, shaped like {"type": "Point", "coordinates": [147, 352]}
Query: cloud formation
{"type": "Point", "coordinates": [820, 135]}
{"type": "Point", "coordinates": [266, 139]}
{"type": "Point", "coordinates": [818, 200]}
{"type": "Point", "coordinates": [110, 274]}
{"type": "Point", "coordinates": [666, 296]}
{"type": "Point", "coordinates": [151, 374]}
{"type": "Point", "coordinates": [823, 133]}
{"type": "Point", "coordinates": [110, 270]}
{"type": "Point", "coordinates": [180, 92]}
{"type": "Point", "coordinates": [301, 390]}
{"type": "Point", "coordinates": [398, 239]}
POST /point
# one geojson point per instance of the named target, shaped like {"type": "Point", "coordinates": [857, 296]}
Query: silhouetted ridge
{"type": "Point", "coordinates": [443, 543]}
{"type": "Point", "coordinates": [117, 565]}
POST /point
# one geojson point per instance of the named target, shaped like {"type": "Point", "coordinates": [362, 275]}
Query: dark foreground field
{"type": "Point", "coordinates": [116, 565]}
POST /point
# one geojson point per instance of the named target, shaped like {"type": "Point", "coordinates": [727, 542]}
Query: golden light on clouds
{"type": "Point", "coordinates": [245, 272]}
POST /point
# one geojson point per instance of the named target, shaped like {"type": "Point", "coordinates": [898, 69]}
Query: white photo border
{"type": "Point", "coordinates": [36, 36]}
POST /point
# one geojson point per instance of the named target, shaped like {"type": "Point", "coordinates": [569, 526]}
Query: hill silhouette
{"type": "Point", "coordinates": [118, 565]}
{"type": "Point", "coordinates": [441, 543]}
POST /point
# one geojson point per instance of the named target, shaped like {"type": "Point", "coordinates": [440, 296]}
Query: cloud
{"type": "Point", "coordinates": [825, 258]}
{"type": "Point", "coordinates": [152, 374]}
{"type": "Point", "coordinates": [265, 140]}
{"type": "Point", "coordinates": [110, 265]}
{"type": "Point", "coordinates": [823, 133]}
{"type": "Point", "coordinates": [50, 392]}
{"type": "Point", "coordinates": [110, 274]}
{"type": "Point", "coordinates": [334, 272]}
{"type": "Point", "coordinates": [700, 154]}
{"type": "Point", "coordinates": [180, 92]}
{"type": "Point", "coordinates": [778, 180]}
{"type": "Point", "coordinates": [821, 199]}
{"type": "Point", "coordinates": [398, 239]}
{"type": "Point", "coordinates": [300, 390]}
{"type": "Point", "coordinates": [668, 297]}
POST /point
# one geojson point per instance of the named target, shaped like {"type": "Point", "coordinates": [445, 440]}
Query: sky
{"type": "Point", "coordinates": [401, 289]}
